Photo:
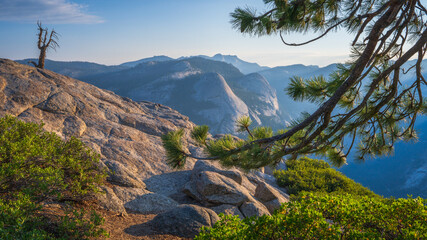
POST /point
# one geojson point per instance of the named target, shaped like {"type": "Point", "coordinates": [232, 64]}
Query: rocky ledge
{"type": "Point", "coordinates": [127, 134]}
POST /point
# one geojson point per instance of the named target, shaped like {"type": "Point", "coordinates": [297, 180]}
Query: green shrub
{"type": "Point", "coordinates": [323, 216]}
{"type": "Point", "coordinates": [76, 224]}
{"type": "Point", "coordinates": [37, 166]}
{"type": "Point", "coordinates": [17, 220]}
{"type": "Point", "coordinates": [309, 175]}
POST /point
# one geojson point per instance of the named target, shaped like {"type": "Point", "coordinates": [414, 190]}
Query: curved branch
{"type": "Point", "coordinates": [368, 16]}
{"type": "Point", "coordinates": [314, 39]}
{"type": "Point", "coordinates": [265, 14]}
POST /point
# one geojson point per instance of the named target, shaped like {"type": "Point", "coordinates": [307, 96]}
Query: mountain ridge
{"type": "Point", "coordinates": [160, 58]}
{"type": "Point", "coordinates": [173, 83]}
{"type": "Point", "coordinates": [244, 66]}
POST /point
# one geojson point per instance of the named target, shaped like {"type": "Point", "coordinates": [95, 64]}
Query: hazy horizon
{"type": "Point", "coordinates": [175, 58]}
{"type": "Point", "coordinates": [113, 32]}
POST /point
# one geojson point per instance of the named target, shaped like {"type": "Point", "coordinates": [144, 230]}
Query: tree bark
{"type": "Point", "coordinates": [42, 57]}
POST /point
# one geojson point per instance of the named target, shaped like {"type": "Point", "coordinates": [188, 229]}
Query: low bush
{"type": "Point", "coordinates": [309, 175]}
{"type": "Point", "coordinates": [37, 167]}
{"type": "Point", "coordinates": [327, 205]}
{"type": "Point", "coordinates": [325, 216]}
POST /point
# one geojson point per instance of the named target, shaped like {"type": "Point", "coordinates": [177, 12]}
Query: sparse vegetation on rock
{"type": "Point", "coordinates": [37, 169]}
{"type": "Point", "coordinates": [311, 175]}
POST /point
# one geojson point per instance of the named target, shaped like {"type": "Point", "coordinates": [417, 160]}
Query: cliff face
{"type": "Point", "coordinates": [260, 98]}
{"type": "Point", "coordinates": [225, 107]}
{"type": "Point", "coordinates": [124, 132]}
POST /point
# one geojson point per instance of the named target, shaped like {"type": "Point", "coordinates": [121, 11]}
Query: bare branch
{"type": "Point", "coordinates": [32, 62]}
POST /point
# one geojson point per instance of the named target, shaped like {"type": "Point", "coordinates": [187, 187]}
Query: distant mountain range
{"type": "Point", "coordinates": [209, 92]}
{"type": "Point", "coordinates": [216, 90]}
{"type": "Point", "coordinates": [175, 82]}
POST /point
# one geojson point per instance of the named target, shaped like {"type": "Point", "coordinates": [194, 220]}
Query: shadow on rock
{"type": "Point", "coordinates": [183, 221]}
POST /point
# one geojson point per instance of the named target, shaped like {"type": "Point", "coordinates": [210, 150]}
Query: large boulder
{"type": "Point", "coordinates": [273, 205]}
{"type": "Point", "coordinates": [61, 102]}
{"type": "Point", "coordinates": [120, 175]}
{"type": "Point", "coordinates": [227, 209]}
{"type": "Point", "coordinates": [190, 190]}
{"type": "Point", "coordinates": [226, 190]}
{"type": "Point", "coordinates": [233, 173]}
{"type": "Point", "coordinates": [171, 185]}
{"type": "Point", "coordinates": [265, 192]}
{"type": "Point", "coordinates": [184, 220]}
{"type": "Point", "coordinates": [168, 184]}
{"type": "Point", "coordinates": [271, 197]}
{"type": "Point", "coordinates": [107, 199]}
{"type": "Point", "coordinates": [143, 201]}
{"type": "Point", "coordinates": [250, 209]}
{"type": "Point", "coordinates": [151, 203]}
{"type": "Point", "coordinates": [127, 194]}
{"type": "Point", "coordinates": [217, 189]}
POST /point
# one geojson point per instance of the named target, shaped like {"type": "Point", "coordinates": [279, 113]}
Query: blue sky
{"type": "Point", "coordinates": [115, 31]}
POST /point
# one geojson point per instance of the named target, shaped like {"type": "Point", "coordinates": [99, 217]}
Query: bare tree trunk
{"type": "Point", "coordinates": [42, 58]}
{"type": "Point", "coordinates": [44, 43]}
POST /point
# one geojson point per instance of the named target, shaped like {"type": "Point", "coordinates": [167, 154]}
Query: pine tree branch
{"type": "Point", "coordinates": [328, 106]}
{"type": "Point", "coordinates": [383, 104]}
{"type": "Point", "coordinates": [314, 39]}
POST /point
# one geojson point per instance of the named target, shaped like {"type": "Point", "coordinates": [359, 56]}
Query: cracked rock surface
{"type": "Point", "coordinates": [125, 133]}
